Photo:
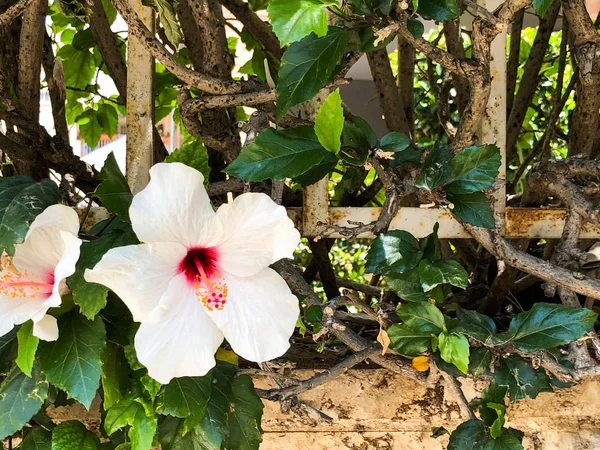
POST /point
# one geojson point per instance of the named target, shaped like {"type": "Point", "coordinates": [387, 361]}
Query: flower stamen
{"type": "Point", "coordinates": [24, 285]}
{"type": "Point", "coordinates": [200, 266]}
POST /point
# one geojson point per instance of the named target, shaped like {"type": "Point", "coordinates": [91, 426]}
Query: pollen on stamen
{"type": "Point", "coordinates": [201, 268]}
{"type": "Point", "coordinates": [25, 285]}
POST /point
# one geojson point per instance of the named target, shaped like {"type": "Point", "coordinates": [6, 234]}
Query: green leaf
{"type": "Point", "coordinates": [172, 437]}
{"type": "Point", "coordinates": [505, 442]}
{"type": "Point", "coordinates": [79, 349]}
{"type": "Point", "coordinates": [187, 398]}
{"type": "Point", "coordinates": [358, 135]}
{"type": "Point", "coordinates": [115, 374]}
{"type": "Point", "coordinates": [408, 341]}
{"type": "Point", "coordinates": [329, 122]}
{"type": "Point", "coordinates": [72, 435]}
{"type": "Point", "coordinates": [477, 326]}
{"type": "Point", "coordinates": [307, 66]}
{"type": "Point", "coordinates": [110, 10]}
{"type": "Point", "coordinates": [422, 316]}
{"type": "Point", "coordinates": [436, 170]}
{"type": "Point", "coordinates": [474, 169]}
{"type": "Point", "coordinates": [130, 412]}
{"type": "Point", "coordinates": [79, 66]}
{"type": "Point", "coordinates": [439, 293]}
{"type": "Point", "coordinates": [415, 27]}
{"type": "Point", "coordinates": [214, 426]}
{"type": "Point", "coordinates": [471, 435]}
{"type": "Point", "coordinates": [8, 352]}
{"type": "Point", "coordinates": [454, 349]}
{"type": "Point", "coordinates": [245, 432]}
{"type": "Point", "coordinates": [91, 297]}
{"type": "Point", "coordinates": [430, 245]}
{"type": "Point", "coordinates": [438, 10]}
{"type": "Point", "coordinates": [472, 208]}
{"type": "Point", "coordinates": [21, 397]}
{"type": "Point", "coordinates": [442, 272]}
{"type": "Point", "coordinates": [28, 345]}
{"type": "Point", "coordinates": [407, 285]}
{"type": "Point", "coordinates": [549, 325]}
{"type": "Point", "coordinates": [108, 118]}
{"type": "Point", "coordinates": [313, 314]}
{"type": "Point", "coordinates": [496, 428]}
{"type": "Point", "coordinates": [520, 378]}
{"type": "Point", "coordinates": [36, 438]}
{"type": "Point", "coordinates": [318, 171]}
{"type": "Point", "coordinates": [83, 40]}
{"type": "Point", "coordinates": [479, 361]}
{"type": "Point", "coordinates": [193, 154]}
{"type": "Point", "coordinates": [278, 155]}
{"type": "Point", "coordinates": [89, 127]}
{"type": "Point", "coordinates": [294, 19]}
{"type": "Point", "coordinates": [21, 200]}
{"type": "Point", "coordinates": [494, 393]}
{"type": "Point", "coordinates": [394, 142]}
{"type": "Point", "coordinates": [113, 191]}
{"type": "Point", "coordinates": [541, 6]}
{"type": "Point", "coordinates": [167, 12]}
{"type": "Point", "coordinates": [232, 418]}
{"type": "Point", "coordinates": [395, 251]}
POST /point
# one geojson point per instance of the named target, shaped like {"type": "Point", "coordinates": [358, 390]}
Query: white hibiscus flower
{"type": "Point", "coordinates": [34, 280]}
{"type": "Point", "coordinates": [200, 276]}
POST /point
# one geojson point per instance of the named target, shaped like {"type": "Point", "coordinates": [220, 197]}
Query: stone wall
{"type": "Point", "coordinates": [375, 409]}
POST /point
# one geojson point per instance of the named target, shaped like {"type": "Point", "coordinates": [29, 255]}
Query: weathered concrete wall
{"type": "Point", "coordinates": [374, 409]}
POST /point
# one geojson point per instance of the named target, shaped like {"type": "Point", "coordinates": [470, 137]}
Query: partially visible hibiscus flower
{"type": "Point", "coordinates": [34, 280]}
{"type": "Point", "coordinates": [200, 276]}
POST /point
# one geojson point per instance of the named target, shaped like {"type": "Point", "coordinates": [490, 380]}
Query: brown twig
{"type": "Point", "coordinates": [454, 388]}
{"type": "Point", "coordinates": [321, 378]}
{"type": "Point", "coordinates": [14, 11]}
{"type": "Point", "coordinates": [190, 77]}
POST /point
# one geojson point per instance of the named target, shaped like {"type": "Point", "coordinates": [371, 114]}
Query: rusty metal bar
{"type": "Point", "coordinates": [140, 105]}
{"type": "Point", "coordinates": [315, 196]}
{"type": "Point", "coordinates": [520, 222]}
{"type": "Point", "coordinates": [535, 223]}
{"type": "Point", "coordinates": [316, 211]}
{"type": "Point", "coordinates": [493, 125]}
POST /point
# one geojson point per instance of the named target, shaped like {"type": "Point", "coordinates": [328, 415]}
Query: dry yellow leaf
{"type": "Point", "coordinates": [6, 263]}
{"type": "Point", "coordinates": [384, 340]}
{"type": "Point", "coordinates": [420, 363]}
{"type": "Point", "coordinates": [227, 356]}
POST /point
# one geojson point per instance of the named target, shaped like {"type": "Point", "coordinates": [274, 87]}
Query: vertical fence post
{"type": "Point", "coordinates": [315, 207]}
{"type": "Point", "coordinates": [493, 126]}
{"type": "Point", "coordinates": [140, 105]}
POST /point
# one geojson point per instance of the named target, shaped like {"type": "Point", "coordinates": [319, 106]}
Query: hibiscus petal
{"type": "Point", "coordinates": [138, 274]}
{"type": "Point", "coordinates": [256, 233]}
{"type": "Point", "coordinates": [57, 216]}
{"type": "Point", "coordinates": [15, 311]}
{"type": "Point", "coordinates": [175, 207]}
{"type": "Point", "coordinates": [65, 267]}
{"type": "Point", "coordinates": [177, 339]}
{"type": "Point", "coordinates": [46, 328]}
{"type": "Point", "coordinates": [259, 317]}
{"type": "Point", "coordinates": [41, 251]}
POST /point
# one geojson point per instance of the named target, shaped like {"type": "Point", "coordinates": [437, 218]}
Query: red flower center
{"type": "Point", "coordinates": [200, 263]}
{"type": "Point", "coordinates": [201, 268]}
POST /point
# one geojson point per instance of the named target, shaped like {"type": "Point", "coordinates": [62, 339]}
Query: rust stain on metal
{"type": "Point", "coordinates": [541, 223]}
{"type": "Point", "coordinates": [92, 217]}
{"type": "Point", "coordinates": [316, 208]}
